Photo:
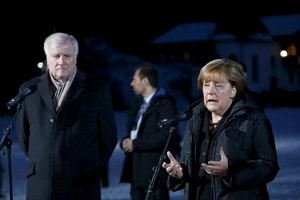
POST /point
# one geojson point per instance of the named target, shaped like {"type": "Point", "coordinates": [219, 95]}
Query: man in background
{"type": "Point", "coordinates": [145, 141]}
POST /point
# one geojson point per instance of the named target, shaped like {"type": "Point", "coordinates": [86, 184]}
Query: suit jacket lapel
{"type": "Point", "coordinates": [45, 91]}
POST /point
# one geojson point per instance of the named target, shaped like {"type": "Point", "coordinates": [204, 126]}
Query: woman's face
{"type": "Point", "coordinates": [218, 95]}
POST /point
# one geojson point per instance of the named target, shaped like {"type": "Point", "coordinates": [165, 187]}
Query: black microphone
{"type": "Point", "coordinates": [21, 96]}
{"type": "Point", "coordinates": [181, 117]}
{"type": "Point", "coordinates": [176, 119]}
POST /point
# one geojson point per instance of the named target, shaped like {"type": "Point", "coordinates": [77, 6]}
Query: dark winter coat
{"type": "Point", "coordinates": [66, 149]}
{"type": "Point", "coordinates": [150, 142]}
{"type": "Point", "coordinates": [248, 142]}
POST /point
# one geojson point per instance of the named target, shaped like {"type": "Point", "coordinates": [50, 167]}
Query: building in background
{"type": "Point", "coordinates": [267, 46]}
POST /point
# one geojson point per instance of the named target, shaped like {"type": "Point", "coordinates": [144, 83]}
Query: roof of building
{"type": "Point", "coordinates": [187, 32]}
{"type": "Point", "coordinates": [282, 25]}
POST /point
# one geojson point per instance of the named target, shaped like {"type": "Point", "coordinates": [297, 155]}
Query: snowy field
{"type": "Point", "coordinates": [286, 186]}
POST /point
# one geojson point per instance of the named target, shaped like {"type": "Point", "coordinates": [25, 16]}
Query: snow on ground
{"type": "Point", "coordinates": [286, 185]}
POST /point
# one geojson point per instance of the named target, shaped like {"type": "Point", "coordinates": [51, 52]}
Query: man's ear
{"type": "Point", "coordinates": [146, 81]}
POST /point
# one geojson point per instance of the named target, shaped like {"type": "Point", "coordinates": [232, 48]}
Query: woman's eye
{"type": "Point", "coordinates": [219, 85]}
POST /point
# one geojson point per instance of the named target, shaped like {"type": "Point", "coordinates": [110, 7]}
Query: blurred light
{"type": "Point", "coordinates": [40, 65]}
{"type": "Point", "coordinates": [283, 53]}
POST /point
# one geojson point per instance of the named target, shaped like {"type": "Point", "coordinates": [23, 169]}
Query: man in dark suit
{"type": "Point", "coordinates": [145, 141]}
{"type": "Point", "coordinates": [66, 127]}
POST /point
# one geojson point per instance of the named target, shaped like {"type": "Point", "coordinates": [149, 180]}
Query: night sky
{"type": "Point", "coordinates": [127, 27]}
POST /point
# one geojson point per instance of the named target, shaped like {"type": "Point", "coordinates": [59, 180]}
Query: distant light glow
{"type": "Point", "coordinates": [283, 53]}
{"type": "Point", "coordinates": [40, 65]}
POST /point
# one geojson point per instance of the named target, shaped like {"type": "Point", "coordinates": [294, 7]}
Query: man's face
{"type": "Point", "coordinates": [61, 61]}
{"type": "Point", "coordinates": [138, 84]}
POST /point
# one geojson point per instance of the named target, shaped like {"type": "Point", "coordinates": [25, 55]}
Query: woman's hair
{"type": "Point", "coordinates": [61, 39]}
{"type": "Point", "coordinates": [214, 70]}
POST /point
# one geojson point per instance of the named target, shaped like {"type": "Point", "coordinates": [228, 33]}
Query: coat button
{"type": "Point", "coordinates": [52, 121]}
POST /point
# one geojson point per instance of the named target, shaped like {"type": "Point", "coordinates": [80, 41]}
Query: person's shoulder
{"type": "Point", "coordinates": [163, 94]}
{"type": "Point", "coordinates": [31, 82]}
{"type": "Point", "coordinates": [165, 99]}
{"type": "Point", "coordinates": [96, 81]}
{"type": "Point", "coordinates": [256, 114]}
{"type": "Point", "coordinates": [170, 97]}
{"type": "Point", "coordinates": [255, 99]}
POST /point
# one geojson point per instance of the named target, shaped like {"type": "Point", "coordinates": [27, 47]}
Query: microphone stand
{"type": "Point", "coordinates": [160, 162]}
{"type": "Point", "coordinates": [6, 142]}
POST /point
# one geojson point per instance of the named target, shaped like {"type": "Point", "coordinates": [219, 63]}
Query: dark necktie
{"type": "Point", "coordinates": [57, 94]}
{"type": "Point", "coordinates": [141, 111]}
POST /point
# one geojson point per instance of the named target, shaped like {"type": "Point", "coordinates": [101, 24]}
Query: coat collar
{"type": "Point", "coordinates": [75, 89]}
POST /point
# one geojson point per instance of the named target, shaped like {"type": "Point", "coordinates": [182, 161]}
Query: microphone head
{"type": "Point", "coordinates": [21, 96]}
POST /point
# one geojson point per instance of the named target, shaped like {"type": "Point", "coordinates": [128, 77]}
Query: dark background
{"type": "Point", "coordinates": [129, 27]}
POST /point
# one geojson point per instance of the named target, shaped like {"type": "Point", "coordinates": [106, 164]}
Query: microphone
{"type": "Point", "coordinates": [181, 117]}
{"type": "Point", "coordinates": [21, 96]}
{"type": "Point", "coordinates": [177, 118]}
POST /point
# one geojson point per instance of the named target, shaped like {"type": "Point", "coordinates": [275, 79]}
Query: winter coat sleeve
{"type": "Point", "coordinates": [254, 163]}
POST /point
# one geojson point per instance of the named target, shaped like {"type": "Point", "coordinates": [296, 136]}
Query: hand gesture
{"type": "Point", "coordinates": [173, 168]}
{"type": "Point", "coordinates": [217, 167]}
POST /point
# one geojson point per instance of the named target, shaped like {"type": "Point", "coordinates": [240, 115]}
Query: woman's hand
{"type": "Point", "coordinates": [173, 168]}
{"type": "Point", "coordinates": [217, 167]}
